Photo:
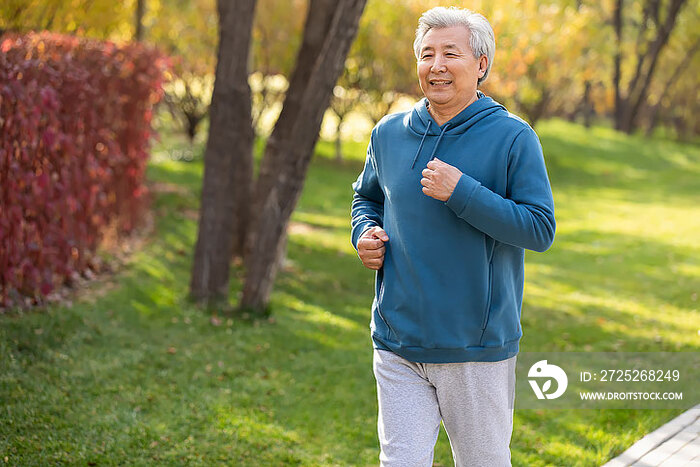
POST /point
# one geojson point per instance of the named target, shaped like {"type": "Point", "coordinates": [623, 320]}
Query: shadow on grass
{"type": "Point", "coordinates": [611, 291]}
{"type": "Point", "coordinates": [143, 376]}
{"type": "Point", "coordinates": [598, 261]}
{"type": "Point", "coordinates": [640, 169]}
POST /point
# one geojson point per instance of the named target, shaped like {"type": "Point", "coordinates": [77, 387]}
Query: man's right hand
{"type": "Point", "coordinates": [370, 247]}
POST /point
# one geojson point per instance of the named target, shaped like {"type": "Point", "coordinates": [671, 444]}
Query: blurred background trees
{"type": "Point", "coordinates": [632, 63]}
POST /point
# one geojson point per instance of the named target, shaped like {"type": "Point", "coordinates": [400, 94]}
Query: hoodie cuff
{"type": "Point", "coordinates": [359, 230]}
{"type": "Point", "coordinates": [462, 194]}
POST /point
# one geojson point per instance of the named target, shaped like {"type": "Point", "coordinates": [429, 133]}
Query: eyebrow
{"type": "Point", "coordinates": [451, 45]}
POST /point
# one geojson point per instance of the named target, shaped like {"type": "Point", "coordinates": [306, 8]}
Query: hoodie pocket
{"type": "Point", "coordinates": [487, 309]}
{"type": "Point", "coordinates": [379, 296]}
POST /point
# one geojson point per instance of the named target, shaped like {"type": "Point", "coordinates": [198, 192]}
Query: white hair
{"type": "Point", "coordinates": [481, 37]}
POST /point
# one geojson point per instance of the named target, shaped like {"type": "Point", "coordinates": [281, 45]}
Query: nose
{"type": "Point", "coordinates": [438, 65]}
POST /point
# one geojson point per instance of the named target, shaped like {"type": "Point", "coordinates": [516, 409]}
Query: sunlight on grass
{"type": "Point", "coordinates": [337, 241]}
{"type": "Point", "coordinates": [560, 450]}
{"type": "Point", "coordinates": [316, 314]}
{"type": "Point", "coordinates": [250, 426]}
{"type": "Point", "coordinates": [138, 375]}
{"type": "Point", "coordinates": [676, 225]}
{"type": "Point", "coordinates": [322, 220]}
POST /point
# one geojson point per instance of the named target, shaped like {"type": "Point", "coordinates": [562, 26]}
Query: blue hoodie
{"type": "Point", "coordinates": [451, 286]}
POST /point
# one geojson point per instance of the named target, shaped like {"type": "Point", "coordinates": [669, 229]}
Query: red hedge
{"type": "Point", "coordinates": [75, 120]}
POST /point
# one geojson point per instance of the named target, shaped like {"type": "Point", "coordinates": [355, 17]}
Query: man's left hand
{"type": "Point", "coordinates": [440, 179]}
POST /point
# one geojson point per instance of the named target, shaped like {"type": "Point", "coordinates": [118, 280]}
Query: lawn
{"type": "Point", "coordinates": [134, 374]}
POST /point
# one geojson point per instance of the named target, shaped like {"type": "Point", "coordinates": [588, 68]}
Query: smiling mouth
{"type": "Point", "coordinates": [440, 82]}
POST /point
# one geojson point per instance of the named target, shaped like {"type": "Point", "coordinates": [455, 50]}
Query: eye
{"type": "Point", "coordinates": [426, 56]}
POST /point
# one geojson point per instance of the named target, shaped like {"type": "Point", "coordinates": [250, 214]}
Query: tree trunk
{"type": "Point", "coordinates": [627, 108]}
{"type": "Point", "coordinates": [328, 33]}
{"type": "Point", "coordinates": [140, 6]}
{"type": "Point", "coordinates": [540, 108]}
{"type": "Point", "coordinates": [587, 105]}
{"type": "Point", "coordinates": [535, 111]}
{"type": "Point", "coordinates": [638, 93]}
{"type": "Point", "coordinates": [339, 140]}
{"type": "Point", "coordinates": [228, 158]}
{"type": "Point", "coordinates": [619, 103]}
{"type": "Point", "coordinates": [682, 66]}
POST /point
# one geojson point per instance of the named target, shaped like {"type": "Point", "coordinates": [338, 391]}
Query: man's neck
{"type": "Point", "coordinates": [443, 115]}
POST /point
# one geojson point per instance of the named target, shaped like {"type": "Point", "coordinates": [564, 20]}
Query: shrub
{"type": "Point", "coordinates": [75, 120]}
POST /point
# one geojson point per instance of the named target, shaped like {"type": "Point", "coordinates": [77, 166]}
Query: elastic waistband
{"type": "Point", "coordinates": [467, 354]}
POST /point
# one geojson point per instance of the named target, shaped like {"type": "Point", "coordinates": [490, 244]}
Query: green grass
{"type": "Point", "coordinates": [134, 374]}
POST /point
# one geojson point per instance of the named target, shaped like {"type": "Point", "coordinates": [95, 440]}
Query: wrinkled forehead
{"type": "Point", "coordinates": [453, 37]}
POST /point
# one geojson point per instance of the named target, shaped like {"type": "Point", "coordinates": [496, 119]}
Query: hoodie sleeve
{"type": "Point", "coordinates": [525, 217]}
{"type": "Point", "coordinates": [368, 199]}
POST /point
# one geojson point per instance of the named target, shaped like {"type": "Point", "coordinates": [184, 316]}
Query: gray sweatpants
{"type": "Point", "coordinates": [474, 400]}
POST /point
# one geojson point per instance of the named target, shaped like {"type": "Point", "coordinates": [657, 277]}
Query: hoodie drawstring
{"type": "Point", "coordinates": [438, 142]}
{"type": "Point", "coordinates": [420, 146]}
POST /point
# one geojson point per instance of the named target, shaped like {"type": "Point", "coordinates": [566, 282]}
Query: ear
{"type": "Point", "coordinates": [483, 65]}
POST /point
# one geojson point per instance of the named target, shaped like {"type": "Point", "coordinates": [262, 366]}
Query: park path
{"type": "Point", "coordinates": [675, 444]}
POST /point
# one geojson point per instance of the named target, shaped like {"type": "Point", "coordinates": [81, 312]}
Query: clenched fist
{"type": "Point", "coordinates": [440, 179]}
{"type": "Point", "coordinates": [370, 247]}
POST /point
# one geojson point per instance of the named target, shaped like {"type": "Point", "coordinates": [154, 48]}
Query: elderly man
{"type": "Point", "coordinates": [451, 195]}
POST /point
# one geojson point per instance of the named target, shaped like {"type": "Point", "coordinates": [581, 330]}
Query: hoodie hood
{"type": "Point", "coordinates": [422, 123]}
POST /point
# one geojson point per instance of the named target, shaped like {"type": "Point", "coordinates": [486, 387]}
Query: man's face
{"type": "Point", "coordinates": [447, 70]}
